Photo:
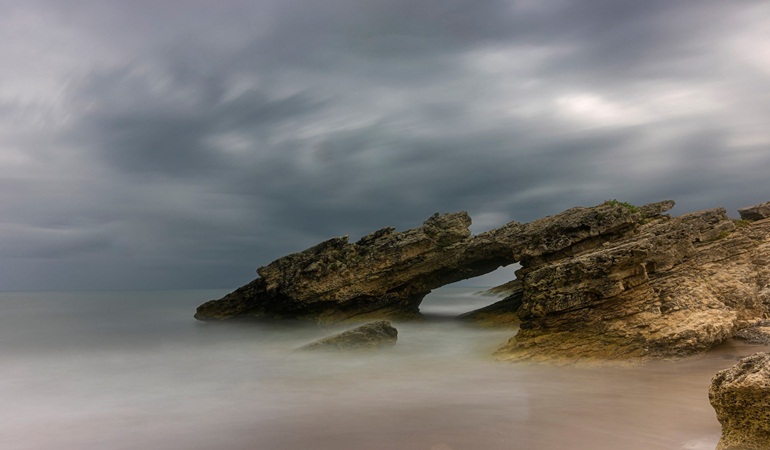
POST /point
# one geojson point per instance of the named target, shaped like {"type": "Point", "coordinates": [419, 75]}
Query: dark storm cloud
{"type": "Point", "coordinates": [141, 124]}
{"type": "Point", "coordinates": [184, 143]}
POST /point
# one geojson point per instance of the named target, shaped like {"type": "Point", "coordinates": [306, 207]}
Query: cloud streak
{"type": "Point", "coordinates": [183, 144]}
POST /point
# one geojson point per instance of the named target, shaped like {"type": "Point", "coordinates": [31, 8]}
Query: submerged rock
{"type": "Point", "coordinates": [371, 336]}
{"type": "Point", "coordinates": [741, 397]}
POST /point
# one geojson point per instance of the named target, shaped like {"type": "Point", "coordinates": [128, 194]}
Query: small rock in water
{"type": "Point", "coordinates": [371, 336]}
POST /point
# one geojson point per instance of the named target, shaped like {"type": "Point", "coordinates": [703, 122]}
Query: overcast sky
{"type": "Point", "coordinates": [182, 144]}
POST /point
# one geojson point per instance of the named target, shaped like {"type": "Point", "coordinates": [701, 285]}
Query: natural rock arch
{"type": "Point", "coordinates": [388, 273]}
{"type": "Point", "coordinates": [609, 281]}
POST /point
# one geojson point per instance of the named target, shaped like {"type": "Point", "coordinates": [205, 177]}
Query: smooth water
{"type": "Point", "coordinates": [134, 370]}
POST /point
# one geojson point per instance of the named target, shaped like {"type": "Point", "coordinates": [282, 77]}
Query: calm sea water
{"type": "Point", "coordinates": [129, 370]}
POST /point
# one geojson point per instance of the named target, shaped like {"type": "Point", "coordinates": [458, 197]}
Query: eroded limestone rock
{"type": "Point", "coordinates": [757, 334]}
{"type": "Point", "coordinates": [741, 397]}
{"type": "Point", "coordinates": [387, 273]}
{"type": "Point", "coordinates": [613, 281]}
{"type": "Point", "coordinates": [755, 212]}
{"type": "Point", "coordinates": [370, 336]}
{"type": "Point", "coordinates": [677, 287]}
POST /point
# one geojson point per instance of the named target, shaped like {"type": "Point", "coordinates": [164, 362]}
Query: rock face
{"type": "Point", "coordinates": [741, 397]}
{"type": "Point", "coordinates": [366, 337]}
{"type": "Point", "coordinates": [756, 212]}
{"type": "Point", "coordinates": [675, 287]}
{"type": "Point", "coordinates": [385, 274]}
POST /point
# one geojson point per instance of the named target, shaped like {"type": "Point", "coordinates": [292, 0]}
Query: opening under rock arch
{"type": "Point", "coordinates": [464, 296]}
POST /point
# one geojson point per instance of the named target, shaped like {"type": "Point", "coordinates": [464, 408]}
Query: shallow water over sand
{"type": "Point", "coordinates": [128, 370]}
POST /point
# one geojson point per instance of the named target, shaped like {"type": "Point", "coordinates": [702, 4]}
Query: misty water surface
{"type": "Point", "coordinates": [128, 370]}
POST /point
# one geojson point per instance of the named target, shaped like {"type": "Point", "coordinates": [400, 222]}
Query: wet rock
{"type": "Point", "coordinates": [755, 212]}
{"type": "Point", "coordinates": [741, 397]}
{"type": "Point", "coordinates": [371, 336]}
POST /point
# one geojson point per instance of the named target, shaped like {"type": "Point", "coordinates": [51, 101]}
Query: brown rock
{"type": "Point", "coordinates": [757, 334]}
{"type": "Point", "coordinates": [676, 287]}
{"type": "Point", "coordinates": [741, 397]}
{"type": "Point", "coordinates": [613, 281]}
{"type": "Point", "coordinates": [371, 336]}
{"type": "Point", "coordinates": [755, 212]}
{"type": "Point", "coordinates": [503, 313]}
{"type": "Point", "coordinates": [387, 273]}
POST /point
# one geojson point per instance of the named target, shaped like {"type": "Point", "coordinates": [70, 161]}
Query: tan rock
{"type": "Point", "coordinates": [387, 273]}
{"type": "Point", "coordinates": [755, 212]}
{"type": "Point", "coordinates": [610, 282]}
{"type": "Point", "coordinates": [371, 336]}
{"type": "Point", "coordinates": [741, 397]}
{"type": "Point", "coordinates": [677, 287]}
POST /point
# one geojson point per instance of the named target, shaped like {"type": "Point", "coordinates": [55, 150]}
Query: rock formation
{"type": "Point", "coordinates": [755, 212]}
{"type": "Point", "coordinates": [758, 334]}
{"type": "Point", "coordinates": [370, 336]}
{"type": "Point", "coordinates": [387, 273]}
{"type": "Point", "coordinates": [741, 397]}
{"type": "Point", "coordinates": [613, 281]}
{"type": "Point", "coordinates": [676, 287]}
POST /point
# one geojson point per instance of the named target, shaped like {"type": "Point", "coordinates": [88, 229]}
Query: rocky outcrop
{"type": "Point", "coordinates": [758, 334]}
{"type": "Point", "coordinates": [755, 212]}
{"type": "Point", "coordinates": [741, 397]}
{"type": "Point", "coordinates": [613, 281]}
{"type": "Point", "coordinates": [676, 287]}
{"type": "Point", "coordinates": [387, 273]}
{"type": "Point", "coordinates": [371, 336]}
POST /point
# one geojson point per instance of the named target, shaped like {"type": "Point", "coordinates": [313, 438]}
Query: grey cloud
{"type": "Point", "coordinates": [211, 138]}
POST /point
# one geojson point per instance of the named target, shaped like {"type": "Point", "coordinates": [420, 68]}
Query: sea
{"type": "Point", "coordinates": [130, 370]}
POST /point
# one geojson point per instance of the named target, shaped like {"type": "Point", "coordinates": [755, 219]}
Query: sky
{"type": "Point", "coordinates": [181, 144]}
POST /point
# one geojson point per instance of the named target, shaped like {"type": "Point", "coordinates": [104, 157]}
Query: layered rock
{"type": "Point", "coordinates": [387, 273]}
{"type": "Point", "coordinates": [371, 336]}
{"type": "Point", "coordinates": [741, 397]}
{"type": "Point", "coordinates": [613, 281]}
{"type": "Point", "coordinates": [755, 212]}
{"type": "Point", "coordinates": [676, 287]}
